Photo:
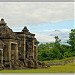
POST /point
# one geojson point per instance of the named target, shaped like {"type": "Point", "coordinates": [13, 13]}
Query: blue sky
{"type": "Point", "coordinates": [68, 24]}
{"type": "Point", "coordinates": [41, 27]}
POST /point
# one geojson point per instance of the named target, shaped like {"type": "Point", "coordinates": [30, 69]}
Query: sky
{"type": "Point", "coordinates": [45, 19]}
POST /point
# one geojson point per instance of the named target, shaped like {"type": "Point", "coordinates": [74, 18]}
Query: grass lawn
{"type": "Point", "coordinates": [68, 68]}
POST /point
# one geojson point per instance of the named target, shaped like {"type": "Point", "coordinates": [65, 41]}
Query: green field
{"type": "Point", "coordinates": [68, 68]}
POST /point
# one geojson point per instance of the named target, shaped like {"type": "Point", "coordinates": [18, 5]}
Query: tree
{"type": "Point", "coordinates": [57, 41]}
{"type": "Point", "coordinates": [71, 40]}
{"type": "Point", "coordinates": [43, 51]}
{"type": "Point", "coordinates": [56, 50]}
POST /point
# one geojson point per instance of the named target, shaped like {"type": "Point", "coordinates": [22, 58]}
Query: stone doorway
{"type": "Point", "coordinates": [29, 53]}
{"type": "Point", "coordinates": [1, 57]}
{"type": "Point", "coordinates": [13, 54]}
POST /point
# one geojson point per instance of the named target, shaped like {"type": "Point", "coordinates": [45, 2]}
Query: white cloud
{"type": "Point", "coordinates": [44, 38]}
{"type": "Point", "coordinates": [49, 35]}
{"type": "Point", "coordinates": [63, 34]}
{"type": "Point", "coordinates": [20, 13]}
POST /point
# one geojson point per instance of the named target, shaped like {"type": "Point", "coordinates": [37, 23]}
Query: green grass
{"type": "Point", "coordinates": [59, 61]}
{"type": "Point", "coordinates": [68, 68]}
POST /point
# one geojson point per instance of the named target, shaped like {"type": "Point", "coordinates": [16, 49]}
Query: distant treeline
{"type": "Point", "coordinates": [56, 50]}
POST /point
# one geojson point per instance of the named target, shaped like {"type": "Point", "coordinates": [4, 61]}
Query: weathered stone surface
{"type": "Point", "coordinates": [19, 48]}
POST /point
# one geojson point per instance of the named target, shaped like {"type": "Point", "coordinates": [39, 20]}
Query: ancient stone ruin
{"type": "Point", "coordinates": [18, 50]}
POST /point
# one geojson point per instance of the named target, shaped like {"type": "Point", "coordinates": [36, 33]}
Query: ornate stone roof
{"type": "Point", "coordinates": [25, 29]}
{"type": "Point", "coordinates": [5, 31]}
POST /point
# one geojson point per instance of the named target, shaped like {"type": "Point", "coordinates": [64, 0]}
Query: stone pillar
{"type": "Point", "coordinates": [33, 48]}
{"type": "Point", "coordinates": [2, 58]}
{"type": "Point", "coordinates": [24, 54]}
{"type": "Point", "coordinates": [9, 50]}
{"type": "Point", "coordinates": [16, 55]}
{"type": "Point", "coordinates": [36, 51]}
{"type": "Point", "coordinates": [24, 46]}
{"type": "Point", "coordinates": [16, 51]}
{"type": "Point", "coordinates": [34, 54]}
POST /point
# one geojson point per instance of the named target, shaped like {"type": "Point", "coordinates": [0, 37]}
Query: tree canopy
{"type": "Point", "coordinates": [56, 50]}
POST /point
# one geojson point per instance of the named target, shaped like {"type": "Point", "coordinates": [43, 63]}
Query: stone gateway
{"type": "Point", "coordinates": [18, 50]}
